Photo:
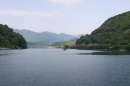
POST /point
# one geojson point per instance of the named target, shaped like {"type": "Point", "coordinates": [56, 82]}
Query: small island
{"type": "Point", "coordinates": [10, 39]}
{"type": "Point", "coordinates": [113, 34]}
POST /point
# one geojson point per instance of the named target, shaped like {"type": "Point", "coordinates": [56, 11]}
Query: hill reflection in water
{"type": "Point", "coordinates": [107, 53]}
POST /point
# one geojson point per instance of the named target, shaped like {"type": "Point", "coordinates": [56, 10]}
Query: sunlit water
{"type": "Point", "coordinates": [55, 67]}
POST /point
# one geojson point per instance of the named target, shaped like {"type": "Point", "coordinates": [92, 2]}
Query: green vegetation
{"type": "Point", "coordinates": [113, 34]}
{"type": "Point", "coordinates": [65, 43]}
{"type": "Point", "coordinates": [10, 39]}
{"type": "Point", "coordinates": [66, 46]}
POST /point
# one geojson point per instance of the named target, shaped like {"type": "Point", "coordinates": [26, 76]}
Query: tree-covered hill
{"type": "Point", "coordinates": [69, 43]}
{"type": "Point", "coordinates": [114, 33]}
{"type": "Point", "coordinates": [11, 39]}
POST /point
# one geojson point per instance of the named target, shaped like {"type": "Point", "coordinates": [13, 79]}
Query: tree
{"type": "Point", "coordinates": [10, 39]}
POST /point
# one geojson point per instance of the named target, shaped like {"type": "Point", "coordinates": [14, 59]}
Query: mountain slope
{"type": "Point", "coordinates": [44, 37]}
{"type": "Point", "coordinates": [28, 35]}
{"type": "Point", "coordinates": [114, 33]}
{"type": "Point", "coordinates": [10, 39]}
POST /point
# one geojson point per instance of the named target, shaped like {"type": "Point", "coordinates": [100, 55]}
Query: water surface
{"type": "Point", "coordinates": [55, 67]}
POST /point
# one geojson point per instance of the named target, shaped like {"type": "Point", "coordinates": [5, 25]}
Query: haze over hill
{"type": "Point", "coordinates": [44, 38]}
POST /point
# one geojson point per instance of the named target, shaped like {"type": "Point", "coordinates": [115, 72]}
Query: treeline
{"type": "Point", "coordinates": [69, 43]}
{"type": "Point", "coordinates": [10, 39]}
{"type": "Point", "coordinates": [113, 34]}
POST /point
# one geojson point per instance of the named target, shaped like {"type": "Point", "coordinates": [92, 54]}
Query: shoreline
{"type": "Point", "coordinates": [3, 48]}
{"type": "Point", "coordinates": [101, 49]}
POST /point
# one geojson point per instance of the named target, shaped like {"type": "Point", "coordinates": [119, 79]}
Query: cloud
{"type": "Point", "coordinates": [67, 1]}
{"type": "Point", "coordinates": [28, 13]}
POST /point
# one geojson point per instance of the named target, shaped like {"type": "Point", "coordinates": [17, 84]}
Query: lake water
{"type": "Point", "coordinates": [55, 67]}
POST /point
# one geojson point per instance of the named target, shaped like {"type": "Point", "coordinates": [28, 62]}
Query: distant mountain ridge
{"type": "Point", "coordinates": [45, 37]}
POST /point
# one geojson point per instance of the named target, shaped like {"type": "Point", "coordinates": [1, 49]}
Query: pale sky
{"type": "Point", "coordinates": [60, 16]}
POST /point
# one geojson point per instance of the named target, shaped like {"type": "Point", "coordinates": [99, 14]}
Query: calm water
{"type": "Point", "coordinates": [55, 67]}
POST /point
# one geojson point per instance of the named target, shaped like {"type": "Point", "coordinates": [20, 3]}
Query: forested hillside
{"type": "Point", "coordinates": [69, 43]}
{"type": "Point", "coordinates": [113, 34]}
{"type": "Point", "coordinates": [10, 39]}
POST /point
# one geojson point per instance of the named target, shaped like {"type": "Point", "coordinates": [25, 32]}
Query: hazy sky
{"type": "Point", "coordinates": [60, 16]}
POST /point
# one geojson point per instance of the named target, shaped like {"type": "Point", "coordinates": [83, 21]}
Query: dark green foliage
{"type": "Point", "coordinates": [66, 46]}
{"type": "Point", "coordinates": [10, 39]}
{"type": "Point", "coordinates": [113, 34]}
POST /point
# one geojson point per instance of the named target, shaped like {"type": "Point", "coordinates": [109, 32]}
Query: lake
{"type": "Point", "coordinates": [55, 67]}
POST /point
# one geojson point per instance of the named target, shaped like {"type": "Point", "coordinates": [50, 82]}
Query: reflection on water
{"type": "Point", "coordinates": [55, 67]}
{"type": "Point", "coordinates": [5, 54]}
{"type": "Point", "coordinates": [107, 53]}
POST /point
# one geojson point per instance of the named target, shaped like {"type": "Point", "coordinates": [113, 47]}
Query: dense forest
{"type": "Point", "coordinates": [10, 39]}
{"type": "Point", "coordinates": [113, 34]}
